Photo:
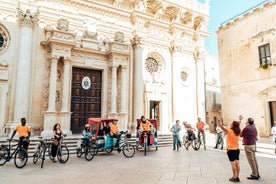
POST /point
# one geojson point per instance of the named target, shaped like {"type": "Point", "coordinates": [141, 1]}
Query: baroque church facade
{"type": "Point", "coordinates": [65, 61]}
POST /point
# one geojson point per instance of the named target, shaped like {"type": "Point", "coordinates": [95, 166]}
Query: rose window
{"type": "Point", "coordinates": [152, 65]}
{"type": "Point", "coordinates": [184, 76]}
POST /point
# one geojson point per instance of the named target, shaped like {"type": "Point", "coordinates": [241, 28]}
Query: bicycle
{"type": "Point", "coordinates": [124, 145]}
{"type": "Point", "coordinates": [191, 140]}
{"type": "Point", "coordinates": [40, 150]}
{"type": "Point", "coordinates": [62, 152]}
{"type": "Point", "coordinates": [19, 153]}
{"type": "Point", "coordinates": [89, 150]}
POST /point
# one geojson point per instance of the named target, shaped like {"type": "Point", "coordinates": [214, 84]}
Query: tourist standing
{"type": "Point", "coordinates": [249, 135]}
{"type": "Point", "coordinates": [273, 134]}
{"type": "Point", "coordinates": [232, 147]}
{"type": "Point", "coordinates": [176, 128]}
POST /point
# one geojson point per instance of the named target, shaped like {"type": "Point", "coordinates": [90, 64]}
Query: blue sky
{"type": "Point", "coordinates": [221, 11]}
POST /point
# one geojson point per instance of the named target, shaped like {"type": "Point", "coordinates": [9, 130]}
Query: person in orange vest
{"type": "Point", "coordinates": [145, 127]}
{"type": "Point", "coordinates": [114, 132]}
{"type": "Point", "coordinates": [24, 133]}
{"type": "Point", "coordinates": [200, 129]}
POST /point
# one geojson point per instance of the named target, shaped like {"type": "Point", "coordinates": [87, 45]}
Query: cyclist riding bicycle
{"type": "Point", "coordinates": [114, 132]}
{"type": "Point", "coordinates": [190, 131]}
{"type": "Point", "coordinates": [200, 128]}
{"type": "Point", "coordinates": [87, 135]}
{"type": "Point", "coordinates": [24, 133]}
{"type": "Point", "coordinates": [145, 126]}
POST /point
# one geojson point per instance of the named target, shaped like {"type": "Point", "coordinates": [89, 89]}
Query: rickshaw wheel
{"type": "Point", "coordinates": [79, 153]}
{"type": "Point", "coordinates": [128, 150]}
{"type": "Point", "coordinates": [109, 150]}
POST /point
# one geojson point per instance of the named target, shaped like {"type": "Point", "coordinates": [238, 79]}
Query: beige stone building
{"type": "Point", "coordinates": [212, 92]}
{"type": "Point", "coordinates": [247, 56]}
{"type": "Point", "coordinates": [65, 61]}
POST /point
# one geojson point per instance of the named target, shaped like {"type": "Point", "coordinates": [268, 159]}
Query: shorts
{"type": "Point", "coordinates": [233, 155]}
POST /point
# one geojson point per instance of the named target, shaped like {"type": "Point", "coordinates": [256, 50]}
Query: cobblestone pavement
{"type": "Point", "coordinates": [164, 166]}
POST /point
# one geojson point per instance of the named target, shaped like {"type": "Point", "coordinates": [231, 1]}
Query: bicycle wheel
{"type": "Point", "coordinates": [186, 144]}
{"type": "Point", "coordinates": [89, 153]}
{"type": "Point", "coordinates": [79, 152]}
{"type": "Point", "coordinates": [195, 144]}
{"type": "Point", "coordinates": [128, 150]}
{"type": "Point", "coordinates": [50, 151]}
{"type": "Point", "coordinates": [3, 155]}
{"type": "Point", "coordinates": [42, 154]}
{"type": "Point", "coordinates": [63, 154]}
{"type": "Point", "coordinates": [37, 154]}
{"type": "Point", "coordinates": [20, 158]}
{"type": "Point", "coordinates": [145, 145]}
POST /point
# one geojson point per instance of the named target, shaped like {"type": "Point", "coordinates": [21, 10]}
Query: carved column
{"type": "Point", "coordinates": [22, 94]}
{"type": "Point", "coordinates": [3, 94]}
{"type": "Point", "coordinates": [138, 80]}
{"type": "Point", "coordinates": [113, 109]}
{"type": "Point", "coordinates": [66, 87]}
{"type": "Point", "coordinates": [53, 85]}
{"type": "Point", "coordinates": [200, 83]}
{"type": "Point", "coordinates": [124, 90]}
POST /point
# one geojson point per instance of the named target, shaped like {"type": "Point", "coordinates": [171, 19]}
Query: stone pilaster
{"type": "Point", "coordinates": [123, 90]}
{"type": "Point", "coordinates": [113, 109]}
{"type": "Point", "coordinates": [53, 85]}
{"type": "Point", "coordinates": [199, 56]}
{"type": "Point", "coordinates": [21, 107]}
{"type": "Point", "coordinates": [66, 86]}
{"type": "Point", "coordinates": [138, 80]}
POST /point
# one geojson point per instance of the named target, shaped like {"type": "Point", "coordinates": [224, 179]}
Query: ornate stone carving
{"type": "Point", "coordinates": [151, 65]}
{"type": "Point", "coordinates": [136, 41]}
{"type": "Point", "coordinates": [184, 75]}
{"type": "Point", "coordinates": [63, 24]}
{"type": "Point", "coordinates": [4, 38]}
{"type": "Point", "coordinates": [186, 18]}
{"type": "Point", "coordinates": [90, 35]}
{"type": "Point", "coordinates": [27, 18]}
{"type": "Point", "coordinates": [104, 44]}
{"type": "Point", "coordinates": [119, 37]}
{"type": "Point", "coordinates": [155, 66]}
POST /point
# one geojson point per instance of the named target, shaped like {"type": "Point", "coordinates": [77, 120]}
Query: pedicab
{"type": "Point", "coordinates": [103, 142]}
{"type": "Point", "coordinates": [142, 137]}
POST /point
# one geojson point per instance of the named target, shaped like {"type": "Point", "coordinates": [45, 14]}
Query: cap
{"type": "Point", "coordinates": [87, 125]}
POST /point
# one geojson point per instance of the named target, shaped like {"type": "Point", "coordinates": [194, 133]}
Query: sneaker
{"type": "Point", "coordinates": [119, 150]}
{"type": "Point", "coordinates": [251, 177]}
{"type": "Point", "coordinates": [254, 176]}
{"type": "Point", "coordinates": [235, 180]}
{"type": "Point", "coordinates": [54, 160]}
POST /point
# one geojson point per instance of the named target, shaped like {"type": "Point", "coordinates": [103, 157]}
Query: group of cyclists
{"type": "Point", "coordinates": [24, 133]}
{"type": "Point", "coordinates": [176, 128]}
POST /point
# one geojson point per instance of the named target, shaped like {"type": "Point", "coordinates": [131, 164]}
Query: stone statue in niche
{"type": "Point", "coordinates": [119, 37]}
{"type": "Point", "coordinates": [104, 44]}
{"type": "Point", "coordinates": [63, 24]}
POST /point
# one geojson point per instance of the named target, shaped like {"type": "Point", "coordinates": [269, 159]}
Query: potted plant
{"type": "Point", "coordinates": [265, 65]}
